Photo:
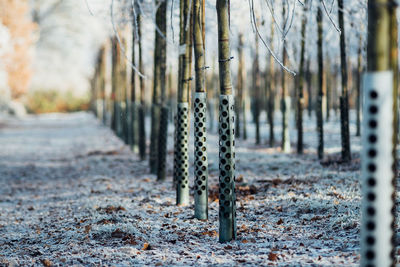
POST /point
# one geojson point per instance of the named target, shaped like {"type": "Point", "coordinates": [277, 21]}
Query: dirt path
{"type": "Point", "coordinates": [72, 193]}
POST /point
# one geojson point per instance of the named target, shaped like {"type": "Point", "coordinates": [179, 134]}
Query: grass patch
{"type": "Point", "coordinates": [46, 101]}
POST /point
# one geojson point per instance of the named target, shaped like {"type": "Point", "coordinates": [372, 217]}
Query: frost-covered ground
{"type": "Point", "coordinates": [71, 193]}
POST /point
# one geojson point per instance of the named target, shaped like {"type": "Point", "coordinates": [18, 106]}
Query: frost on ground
{"type": "Point", "coordinates": [71, 193]}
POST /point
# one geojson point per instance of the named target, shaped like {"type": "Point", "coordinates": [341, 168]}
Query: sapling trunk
{"type": "Point", "coordinates": [114, 84]}
{"type": "Point", "coordinates": [256, 91]}
{"type": "Point", "coordinates": [309, 89]}
{"type": "Point", "coordinates": [344, 99]}
{"type": "Point", "coordinates": [141, 112]}
{"type": "Point", "coordinates": [271, 93]}
{"type": "Point", "coordinates": [240, 86]}
{"type": "Point", "coordinates": [358, 95]}
{"type": "Point", "coordinates": [181, 161]}
{"type": "Point", "coordinates": [285, 101]}
{"type": "Point", "coordinates": [320, 122]}
{"type": "Point", "coordinates": [300, 94]}
{"type": "Point", "coordinates": [133, 129]}
{"type": "Point", "coordinates": [103, 69]}
{"type": "Point", "coordinates": [162, 61]}
{"type": "Point", "coordinates": [158, 82]}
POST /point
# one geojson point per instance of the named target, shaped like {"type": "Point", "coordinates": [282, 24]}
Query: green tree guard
{"type": "Point", "coordinates": [201, 161]}
{"type": "Point", "coordinates": [227, 197]}
{"type": "Point", "coordinates": [182, 165]}
{"type": "Point", "coordinates": [162, 144]}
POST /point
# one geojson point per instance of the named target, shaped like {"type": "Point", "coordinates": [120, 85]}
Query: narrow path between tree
{"type": "Point", "coordinates": [72, 193]}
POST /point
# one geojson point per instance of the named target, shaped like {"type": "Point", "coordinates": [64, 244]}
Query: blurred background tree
{"type": "Point", "coordinates": [17, 47]}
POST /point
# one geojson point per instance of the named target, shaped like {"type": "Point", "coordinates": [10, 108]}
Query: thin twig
{"type": "Point", "coordinates": [330, 18]}
{"type": "Point", "coordinates": [88, 7]}
{"type": "Point", "coordinates": [120, 43]}
{"type": "Point", "coordinates": [251, 5]}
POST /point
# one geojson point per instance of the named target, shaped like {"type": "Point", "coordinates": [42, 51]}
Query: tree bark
{"type": "Point", "coordinates": [240, 87]}
{"type": "Point", "coordinates": [271, 92]}
{"type": "Point", "coordinates": [344, 111]}
{"type": "Point", "coordinates": [256, 91]}
{"type": "Point", "coordinates": [300, 93]}
{"type": "Point", "coordinates": [358, 95]}
{"type": "Point", "coordinates": [320, 125]}
{"type": "Point", "coordinates": [161, 21]}
{"type": "Point", "coordinates": [142, 111]}
{"type": "Point", "coordinates": [285, 102]}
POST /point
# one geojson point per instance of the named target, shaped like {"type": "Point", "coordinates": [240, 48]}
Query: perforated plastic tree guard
{"type": "Point", "coordinates": [227, 197]}
{"type": "Point", "coordinates": [377, 230]}
{"type": "Point", "coordinates": [182, 157]}
{"type": "Point", "coordinates": [200, 154]}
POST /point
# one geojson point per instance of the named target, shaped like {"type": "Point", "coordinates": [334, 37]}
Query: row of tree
{"type": "Point", "coordinates": [128, 111]}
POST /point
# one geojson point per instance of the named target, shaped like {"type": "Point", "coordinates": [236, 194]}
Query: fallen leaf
{"type": "Point", "coordinates": [272, 256]}
{"type": "Point", "coordinates": [46, 262]}
{"type": "Point", "coordinates": [146, 246]}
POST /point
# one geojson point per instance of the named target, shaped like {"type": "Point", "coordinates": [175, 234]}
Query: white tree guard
{"type": "Point", "coordinates": [377, 170]}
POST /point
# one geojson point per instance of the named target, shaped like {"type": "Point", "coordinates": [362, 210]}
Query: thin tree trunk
{"type": "Point", "coordinates": [344, 99]}
{"type": "Point", "coordinates": [181, 170]}
{"type": "Point", "coordinates": [200, 115]}
{"type": "Point", "coordinates": [285, 102]}
{"type": "Point", "coordinates": [142, 111]}
{"type": "Point", "coordinates": [358, 95]}
{"type": "Point", "coordinates": [309, 89]}
{"type": "Point", "coordinates": [240, 86]}
{"type": "Point", "coordinates": [328, 87]}
{"type": "Point", "coordinates": [271, 93]}
{"type": "Point", "coordinates": [115, 84]}
{"type": "Point", "coordinates": [157, 83]}
{"type": "Point", "coordinates": [227, 197]}
{"type": "Point", "coordinates": [161, 21]}
{"type": "Point", "coordinates": [320, 125]}
{"type": "Point", "coordinates": [103, 69]}
{"type": "Point", "coordinates": [256, 91]}
{"type": "Point", "coordinates": [133, 129]}
{"type": "Point", "coordinates": [300, 94]}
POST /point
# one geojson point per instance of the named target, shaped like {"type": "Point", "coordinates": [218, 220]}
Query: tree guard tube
{"type": "Point", "coordinates": [227, 197]}
{"type": "Point", "coordinates": [200, 154]}
{"type": "Point", "coordinates": [378, 192]}
{"type": "Point", "coordinates": [182, 158]}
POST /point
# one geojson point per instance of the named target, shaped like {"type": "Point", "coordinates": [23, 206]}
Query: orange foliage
{"type": "Point", "coordinates": [14, 14]}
